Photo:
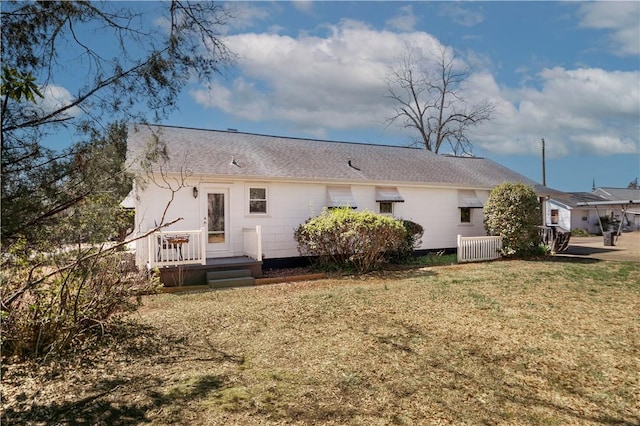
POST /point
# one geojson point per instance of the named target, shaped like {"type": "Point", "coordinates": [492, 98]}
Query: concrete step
{"type": "Point", "coordinates": [225, 274]}
{"type": "Point", "coordinates": [231, 282]}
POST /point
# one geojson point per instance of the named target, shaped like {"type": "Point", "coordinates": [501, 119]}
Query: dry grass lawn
{"type": "Point", "coordinates": [511, 342]}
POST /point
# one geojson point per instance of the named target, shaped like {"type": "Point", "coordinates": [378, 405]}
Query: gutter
{"type": "Point", "coordinates": [608, 203]}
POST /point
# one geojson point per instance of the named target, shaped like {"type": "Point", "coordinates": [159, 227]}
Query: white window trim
{"type": "Point", "coordinates": [248, 211]}
{"type": "Point", "coordinates": [391, 203]}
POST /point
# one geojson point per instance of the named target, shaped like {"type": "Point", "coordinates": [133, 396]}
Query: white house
{"type": "Point", "coordinates": [584, 210]}
{"type": "Point", "coordinates": [240, 193]}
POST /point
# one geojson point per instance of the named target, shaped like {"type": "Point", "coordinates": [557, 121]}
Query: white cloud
{"type": "Point", "coordinates": [305, 6]}
{"type": "Point", "coordinates": [245, 15]}
{"type": "Point", "coordinates": [335, 81]}
{"type": "Point", "coordinates": [54, 98]}
{"type": "Point", "coordinates": [620, 18]}
{"type": "Point", "coordinates": [315, 84]}
{"type": "Point", "coordinates": [404, 20]}
{"type": "Point", "coordinates": [460, 15]}
{"type": "Point", "coordinates": [586, 110]}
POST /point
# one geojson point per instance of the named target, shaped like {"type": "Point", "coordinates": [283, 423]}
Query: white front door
{"type": "Point", "coordinates": [217, 221]}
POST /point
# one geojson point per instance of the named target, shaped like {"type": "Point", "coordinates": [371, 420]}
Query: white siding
{"type": "Point", "coordinates": [564, 215]}
{"type": "Point", "coordinates": [290, 204]}
{"type": "Point", "coordinates": [590, 225]}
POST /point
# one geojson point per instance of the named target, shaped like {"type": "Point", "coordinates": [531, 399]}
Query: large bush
{"type": "Point", "coordinates": [48, 308]}
{"type": "Point", "coordinates": [513, 212]}
{"type": "Point", "coordinates": [349, 238]}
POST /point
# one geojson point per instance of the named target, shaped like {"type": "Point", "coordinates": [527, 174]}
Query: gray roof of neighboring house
{"type": "Point", "coordinates": [237, 154]}
{"type": "Point", "coordinates": [571, 199]}
{"type": "Point", "coordinates": [617, 194]}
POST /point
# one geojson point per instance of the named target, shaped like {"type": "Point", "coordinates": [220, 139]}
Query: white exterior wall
{"type": "Point", "coordinates": [436, 209]}
{"type": "Point", "coordinates": [634, 219]}
{"type": "Point", "coordinates": [564, 215]}
{"type": "Point", "coordinates": [590, 225]}
{"type": "Point", "coordinates": [291, 204]}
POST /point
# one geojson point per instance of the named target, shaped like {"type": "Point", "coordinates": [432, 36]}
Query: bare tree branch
{"type": "Point", "coordinates": [428, 97]}
{"type": "Point", "coordinates": [102, 252]}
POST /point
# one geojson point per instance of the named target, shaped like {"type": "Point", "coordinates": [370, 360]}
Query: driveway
{"type": "Point", "coordinates": [627, 247]}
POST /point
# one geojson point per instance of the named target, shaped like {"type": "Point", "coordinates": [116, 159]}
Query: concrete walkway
{"type": "Point", "coordinates": [627, 248]}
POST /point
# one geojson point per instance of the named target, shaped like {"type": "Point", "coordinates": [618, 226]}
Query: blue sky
{"type": "Point", "coordinates": [568, 72]}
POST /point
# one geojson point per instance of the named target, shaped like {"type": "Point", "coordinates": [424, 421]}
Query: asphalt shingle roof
{"type": "Point", "coordinates": [618, 194]}
{"type": "Point", "coordinates": [237, 154]}
{"type": "Point", "coordinates": [571, 199]}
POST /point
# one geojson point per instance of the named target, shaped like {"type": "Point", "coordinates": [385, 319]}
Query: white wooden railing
{"type": "Point", "coordinates": [172, 248]}
{"type": "Point", "coordinates": [253, 242]}
{"type": "Point", "coordinates": [476, 249]}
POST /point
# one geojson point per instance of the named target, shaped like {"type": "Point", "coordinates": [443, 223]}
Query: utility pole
{"type": "Point", "coordinates": [544, 183]}
{"type": "Point", "coordinates": [544, 172]}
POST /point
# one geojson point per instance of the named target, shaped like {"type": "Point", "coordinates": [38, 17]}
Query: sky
{"type": "Point", "coordinates": [568, 72]}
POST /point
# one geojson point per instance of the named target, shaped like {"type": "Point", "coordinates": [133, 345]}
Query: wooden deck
{"type": "Point", "coordinates": [174, 276]}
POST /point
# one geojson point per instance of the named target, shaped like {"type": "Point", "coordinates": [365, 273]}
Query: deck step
{"type": "Point", "coordinates": [231, 282]}
{"type": "Point", "coordinates": [231, 273]}
{"type": "Point", "coordinates": [230, 278]}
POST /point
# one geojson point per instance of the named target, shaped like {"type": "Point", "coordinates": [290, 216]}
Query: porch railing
{"type": "Point", "coordinates": [172, 248]}
{"type": "Point", "coordinates": [253, 242]}
{"type": "Point", "coordinates": [477, 249]}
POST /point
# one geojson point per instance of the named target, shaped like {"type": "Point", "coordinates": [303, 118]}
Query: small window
{"type": "Point", "coordinates": [386, 207]}
{"type": "Point", "coordinates": [258, 200]}
{"type": "Point", "coordinates": [585, 216]}
{"type": "Point", "coordinates": [465, 214]}
{"type": "Point", "coordinates": [554, 216]}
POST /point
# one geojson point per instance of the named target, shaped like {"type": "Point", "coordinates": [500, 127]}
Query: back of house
{"type": "Point", "coordinates": [225, 183]}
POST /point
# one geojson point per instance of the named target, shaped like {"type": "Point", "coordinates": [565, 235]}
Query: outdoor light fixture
{"type": "Point", "coordinates": [195, 192]}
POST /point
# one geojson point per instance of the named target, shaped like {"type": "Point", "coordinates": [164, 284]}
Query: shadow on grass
{"type": "Point", "coordinates": [122, 403]}
{"type": "Point", "coordinates": [560, 258]}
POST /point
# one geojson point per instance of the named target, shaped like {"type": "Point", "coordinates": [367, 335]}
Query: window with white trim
{"type": "Point", "coordinates": [386, 197]}
{"type": "Point", "coordinates": [386, 207]}
{"type": "Point", "coordinates": [257, 200]}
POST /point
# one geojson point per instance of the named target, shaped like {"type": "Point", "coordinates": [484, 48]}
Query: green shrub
{"type": "Point", "coordinates": [349, 238]}
{"type": "Point", "coordinates": [412, 239]}
{"type": "Point", "coordinates": [578, 232]}
{"type": "Point", "coordinates": [513, 212]}
{"type": "Point", "coordinates": [49, 309]}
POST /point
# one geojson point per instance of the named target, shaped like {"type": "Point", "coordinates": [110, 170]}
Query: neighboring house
{"type": "Point", "coordinates": [225, 183]}
{"type": "Point", "coordinates": [584, 210]}
{"type": "Point", "coordinates": [623, 205]}
{"type": "Point", "coordinates": [566, 211]}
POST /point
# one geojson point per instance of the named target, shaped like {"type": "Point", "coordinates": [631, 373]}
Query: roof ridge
{"type": "Point", "coordinates": [291, 137]}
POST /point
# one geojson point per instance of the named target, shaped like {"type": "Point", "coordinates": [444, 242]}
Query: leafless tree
{"type": "Point", "coordinates": [428, 96]}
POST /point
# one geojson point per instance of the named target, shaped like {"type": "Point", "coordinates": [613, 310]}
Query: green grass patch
{"type": "Point", "coordinates": [432, 260]}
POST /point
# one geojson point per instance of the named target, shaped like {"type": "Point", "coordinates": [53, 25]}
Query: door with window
{"type": "Point", "coordinates": [217, 221]}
